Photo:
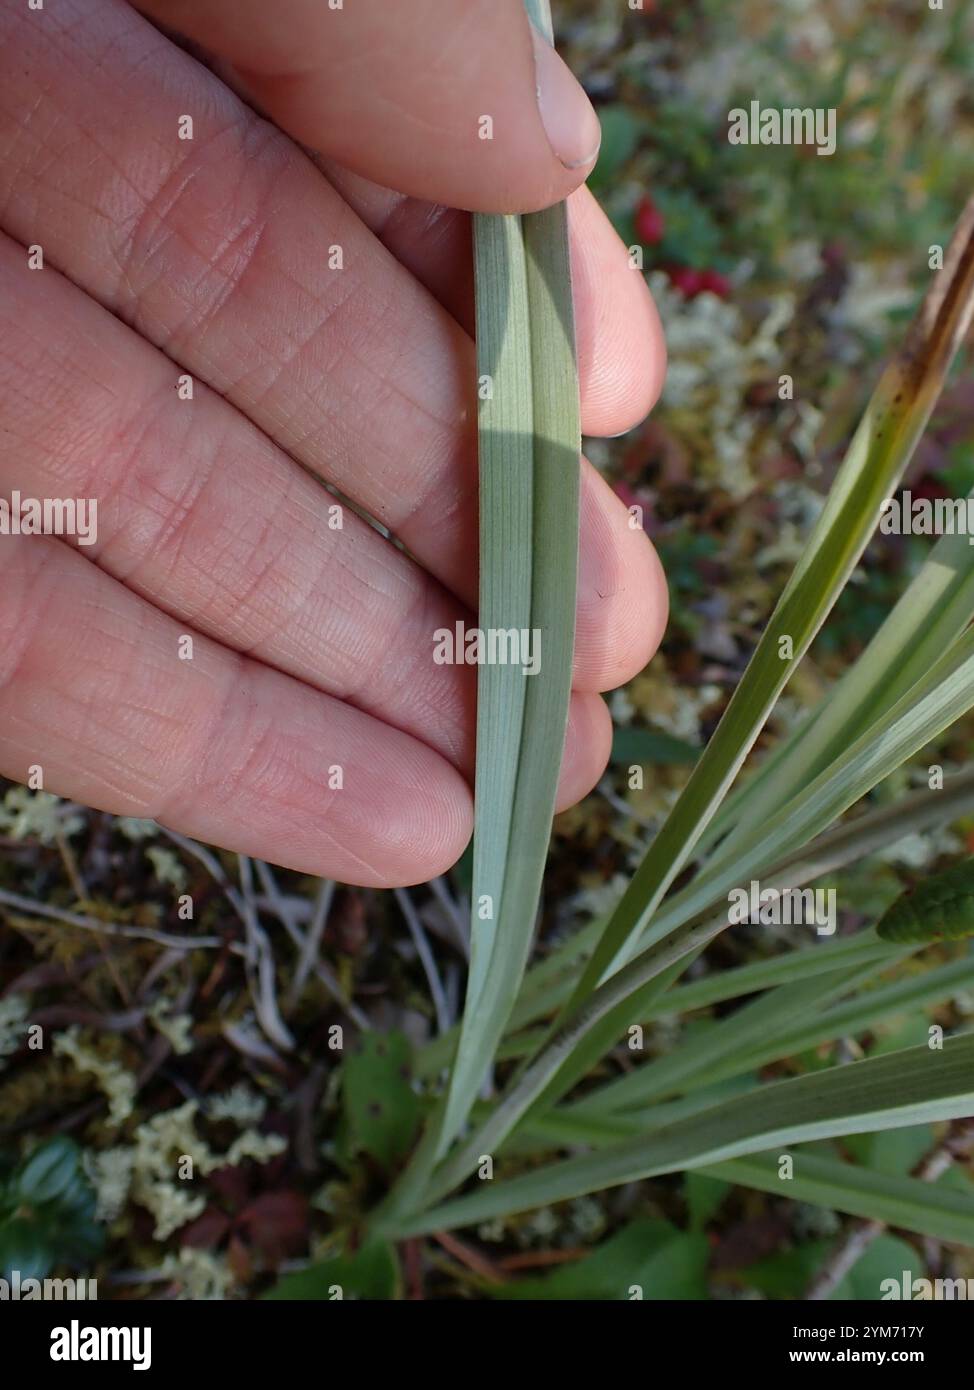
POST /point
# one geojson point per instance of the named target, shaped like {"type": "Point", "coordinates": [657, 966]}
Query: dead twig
{"type": "Point", "coordinates": [83, 923]}
{"type": "Point", "coordinates": [260, 965]}
{"type": "Point", "coordinates": [469, 1257]}
{"type": "Point", "coordinates": [308, 958]}
{"type": "Point", "coordinates": [306, 948]}
{"type": "Point", "coordinates": [427, 959]}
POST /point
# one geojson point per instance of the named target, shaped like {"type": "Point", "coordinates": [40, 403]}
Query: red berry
{"type": "Point", "coordinates": [716, 283]}
{"type": "Point", "coordinates": [650, 225]}
{"type": "Point", "coordinates": [686, 280]}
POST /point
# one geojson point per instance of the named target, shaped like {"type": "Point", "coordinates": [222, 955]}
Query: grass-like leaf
{"type": "Point", "coordinates": [877, 456]}
{"type": "Point", "coordinates": [909, 726]}
{"type": "Point", "coordinates": [738, 1044]}
{"type": "Point", "coordinates": [549, 984]}
{"type": "Point", "coordinates": [929, 617]}
{"type": "Point", "coordinates": [907, 1203]}
{"type": "Point", "coordinates": [530, 442]}
{"type": "Point", "coordinates": [914, 1086]}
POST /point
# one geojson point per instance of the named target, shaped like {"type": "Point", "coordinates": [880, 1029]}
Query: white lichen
{"type": "Point", "coordinates": [240, 1104]}
{"type": "Point", "coordinates": [713, 356]}
{"type": "Point", "coordinates": [37, 815]}
{"type": "Point", "coordinates": [201, 1275]}
{"type": "Point", "coordinates": [175, 1028]}
{"type": "Point", "coordinates": [118, 1084]}
{"type": "Point", "coordinates": [170, 1153]}
{"type": "Point", "coordinates": [136, 829]}
{"type": "Point", "coordinates": [110, 1173]}
{"type": "Point", "coordinates": [167, 867]}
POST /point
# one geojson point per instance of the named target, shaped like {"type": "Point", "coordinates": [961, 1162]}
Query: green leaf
{"type": "Point", "coordinates": [876, 459]}
{"type": "Point", "coordinates": [552, 978]}
{"type": "Point", "coordinates": [51, 1211]}
{"type": "Point", "coordinates": [816, 805]}
{"type": "Point", "coordinates": [370, 1273]}
{"type": "Point", "coordinates": [733, 1047]}
{"type": "Point", "coordinates": [945, 693]}
{"type": "Point", "coordinates": [926, 621]}
{"type": "Point", "coordinates": [548, 984]}
{"type": "Point", "coordinates": [890, 1150]}
{"type": "Point", "coordinates": [788, 1274]}
{"type": "Point", "coordinates": [884, 1258]}
{"type": "Point", "coordinates": [939, 908]}
{"type": "Point", "coordinates": [714, 1055]}
{"type": "Point", "coordinates": [380, 1107]}
{"type": "Point", "coordinates": [888, 736]}
{"type": "Point", "coordinates": [24, 1247]}
{"type": "Point", "coordinates": [704, 1195]}
{"type": "Point", "coordinates": [904, 1088]}
{"type": "Point", "coordinates": [786, 968]}
{"type": "Point", "coordinates": [530, 444]}
{"type": "Point", "coordinates": [51, 1172]}
{"type": "Point", "coordinates": [898, 1033]}
{"type": "Point", "coordinates": [621, 131]}
{"type": "Point", "coordinates": [909, 1204]}
{"type": "Point", "coordinates": [632, 744]}
{"type": "Point", "coordinates": [648, 1260]}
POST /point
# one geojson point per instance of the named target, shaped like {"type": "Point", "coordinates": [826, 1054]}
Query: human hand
{"type": "Point", "coordinates": [209, 260]}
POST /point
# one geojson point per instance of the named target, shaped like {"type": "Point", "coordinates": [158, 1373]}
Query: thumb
{"type": "Point", "coordinates": [459, 102]}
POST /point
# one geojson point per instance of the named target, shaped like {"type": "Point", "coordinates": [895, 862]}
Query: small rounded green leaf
{"type": "Point", "coordinates": [940, 908]}
{"type": "Point", "coordinates": [49, 1172]}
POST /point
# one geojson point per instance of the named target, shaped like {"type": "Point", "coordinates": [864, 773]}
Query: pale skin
{"type": "Point", "coordinates": [209, 258]}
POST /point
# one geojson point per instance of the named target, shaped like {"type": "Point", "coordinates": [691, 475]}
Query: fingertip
{"type": "Point", "coordinates": [426, 833]}
{"type": "Point", "coordinates": [621, 347]}
{"type": "Point", "coordinates": [588, 743]}
{"type": "Point", "coordinates": [626, 380]}
{"type": "Point", "coordinates": [623, 602]}
{"type": "Point", "coordinates": [570, 123]}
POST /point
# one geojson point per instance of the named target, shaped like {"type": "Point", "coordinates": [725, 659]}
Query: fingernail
{"type": "Point", "coordinates": [570, 122]}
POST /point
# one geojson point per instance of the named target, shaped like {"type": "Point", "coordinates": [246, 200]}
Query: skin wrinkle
{"type": "Point", "coordinates": [124, 725]}
{"type": "Point", "coordinates": [356, 678]}
{"type": "Point", "coordinates": [170, 545]}
{"type": "Point", "coordinates": [140, 466]}
{"type": "Point", "coordinates": [37, 592]}
{"type": "Point", "coordinates": [141, 318]}
{"type": "Point", "coordinates": [264, 318]}
{"type": "Point", "coordinates": [88, 135]}
{"type": "Point", "coordinates": [285, 767]}
{"type": "Point", "coordinates": [133, 478]}
{"type": "Point", "coordinates": [301, 624]}
{"type": "Point", "coordinates": [263, 557]}
{"type": "Point", "coordinates": [140, 423]}
{"type": "Point", "coordinates": [374, 643]}
{"type": "Point", "coordinates": [147, 422]}
{"type": "Point", "coordinates": [259, 214]}
{"type": "Point", "coordinates": [393, 389]}
{"type": "Point", "coordinates": [208, 765]}
{"type": "Point", "coordinates": [143, 420]}
{"type": "Point", "coordinates": [258, 400]}
{"type": "Point", "coordinates": [164, 220]}
{"type": "Point", "coordinates": [317, 335]}
{"type": "Point", "coordinates": [406, 657]}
